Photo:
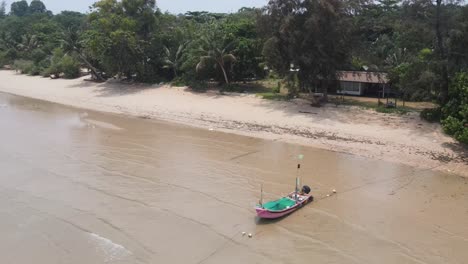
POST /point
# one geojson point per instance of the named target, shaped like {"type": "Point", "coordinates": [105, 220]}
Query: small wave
{"type": "Point", "coordinates": [111, 250]}
{"type": "Point", "coordinates": [100, 124]}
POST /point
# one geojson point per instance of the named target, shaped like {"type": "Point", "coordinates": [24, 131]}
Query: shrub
{"type": "Point", "coordinates": [179, 82]}
{"type": "Point", "coordinates": [47, 72]}
{"type": "Point", "coordinates": [23, 66]}
{"type": "Point", "coordinates": [55, 67]}
{"type": "Point", "coordinates": [199, 86]}
{"type": "Point", "coordinates": [7, 57]}
{"type": "Point", "coordinates": [36, 70]}
{"type": "Point", "coordinates": [70, 67]}
{"type": "Point", "coordinates": [3, 59]}
{"type": "Point", "coordinates": [452, 125]}
{"type": "Point", "coordinates": [455, 112]}
{"type": "Point", "coordinates": [462, 135]}
{"type": "Point", "coordinates": [61, 63]}
{"type": "Point", "coordinates": [277, 89]}
{"type": "Point", "coordinates": [432, 114]}
{"type": "Point", "coordinates": [38, 55]}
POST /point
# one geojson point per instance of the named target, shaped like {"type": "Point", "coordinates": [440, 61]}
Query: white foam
{"type": "Point", "coordinates": [111, 250]}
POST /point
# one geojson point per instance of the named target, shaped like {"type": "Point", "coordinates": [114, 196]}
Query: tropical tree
{"type": "Point", "coordinates": [72, 44]}
{"type": "Point", "coordinates": [241, 28]}
{"type": "Point", "coordinates": [455, 112]}
{"type": "Point", "coordinates": [2, 9]}
{"type": "Point", "coordinates": [173, 59]}
{"type": "Point", "coordinates": [311, 35]}
{"type": "Point", "coordinates": [37, 7]}
{"type": "Point", "coordinates": [215, 52]}
{"type": "Point", "coordinates": [19, 8]}
{"type": "Point", "coordinates": [69, 20]}
{"type": "Point", "coordinates": [28, 43]}
{"type": "Point", "coordinates": [274, 26]}
{"type": "Point", "coordinates": [458, 41]}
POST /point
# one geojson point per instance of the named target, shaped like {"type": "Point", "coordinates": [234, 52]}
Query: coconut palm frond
{"type": "Point", "coordinates": [200, 66]}
{"type": "Point", "coordinates": [229, 46]}
{"type": "Point", "coordinates": [168, 64]}
{"type": "Point", "coordinates": [204, 61]}
{"type": "Point", "coordinates": [180, 50]}
{"type": "Point", "coordinates": [206, 58]}
{"type": "Point", "coordinates": [166, 51]}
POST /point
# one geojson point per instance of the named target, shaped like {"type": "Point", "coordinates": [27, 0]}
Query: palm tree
{"type": "Point", "coordinates": [28, 43]}
{"type": "Point", "coordinates": [213, 51]}
{"type": "Point", "coordinates": [174, 60]}
{"type": "Point", "coordinates": [7, 41]}
{"type": "Point", "coordinates": [71, 43]}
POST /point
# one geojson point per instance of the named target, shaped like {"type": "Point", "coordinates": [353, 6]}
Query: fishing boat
{"type": "Point", "coordinates": [285, 205]}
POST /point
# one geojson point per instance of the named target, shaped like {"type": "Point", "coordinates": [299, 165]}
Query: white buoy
{"type": "Point", "coordinates": [243, 233]}
{"type": "Point", "coordinates": [250, 235]}
{"type": "Point", "coordinates": [328, 195]}
{"type": "Point", "coordinates": [334, 191]}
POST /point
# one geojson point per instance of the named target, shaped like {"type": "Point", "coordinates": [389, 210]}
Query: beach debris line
{"type": "Point", "coordinates": [333, 192]}
{"type": "Point", "coordinates": [308, 112]}
{"type": "Point", "coordinates": [249, 235]}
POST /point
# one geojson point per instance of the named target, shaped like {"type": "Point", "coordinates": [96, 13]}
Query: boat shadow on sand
{"type": "Point", "coordinates": [263, 221]}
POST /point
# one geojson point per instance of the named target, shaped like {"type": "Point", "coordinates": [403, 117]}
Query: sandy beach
{"type": "Point", "coordinates": [401, 139]}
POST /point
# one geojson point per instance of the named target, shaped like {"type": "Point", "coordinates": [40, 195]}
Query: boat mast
{"type": "Point", "coordinates": [261, 196]}
{"type": "Point", "coordinates": [300, 157]}
{"type": "Point", "coordinates": [297, 180]}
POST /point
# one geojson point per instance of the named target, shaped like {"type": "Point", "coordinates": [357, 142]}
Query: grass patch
{"type": "Point", "coordinates": [260, 86]}
{"type": "Point", "coordinates": [274, 96]}
{"type": "Point", "coordinates": [401, 110]}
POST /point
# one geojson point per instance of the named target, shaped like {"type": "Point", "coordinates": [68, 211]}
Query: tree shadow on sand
{"type": "Point", "coordinates": [115, 88]}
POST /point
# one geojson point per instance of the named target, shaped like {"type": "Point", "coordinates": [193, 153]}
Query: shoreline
{"type": "Point", "coordinates": [347, 129]}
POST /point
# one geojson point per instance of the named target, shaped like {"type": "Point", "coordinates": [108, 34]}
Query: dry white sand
{"type": "Point", "coordinates": [404, 139]}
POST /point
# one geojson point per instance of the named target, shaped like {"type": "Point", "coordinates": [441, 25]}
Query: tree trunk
{"type": "Point", "coordinates": [94, 70]}
{"type": "Point", "coordinates": [444, 89]}
{"type": "Point", "coordinates": [224, 72]}
{"type": "Point", "coordinates": [325, 92]}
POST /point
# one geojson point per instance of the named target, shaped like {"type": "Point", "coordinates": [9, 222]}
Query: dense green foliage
{"type": "Point", "coordinates": [455, 112]}
{"type": "Point", "coordinates": [422, 44]}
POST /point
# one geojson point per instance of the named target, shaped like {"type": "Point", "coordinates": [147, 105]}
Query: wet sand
{"type": "Point", "coordinates": [78, 186]}
{"type": "Point", "coordinates": [402, 139]}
